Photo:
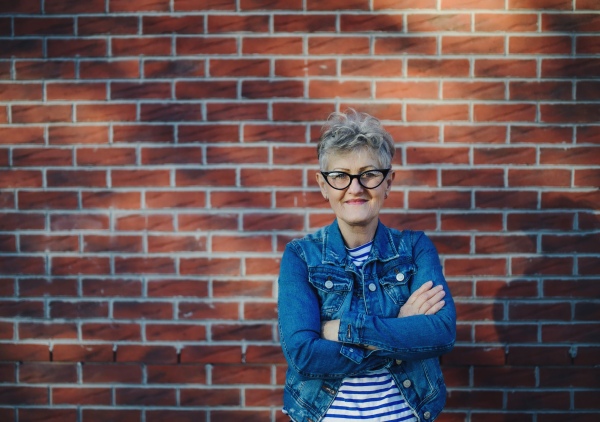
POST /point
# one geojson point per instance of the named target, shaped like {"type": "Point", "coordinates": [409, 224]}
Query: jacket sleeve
{"type": "Point", "coordinates": [300, 328]}
{"type": "Point", "coordinates": [414, 337]}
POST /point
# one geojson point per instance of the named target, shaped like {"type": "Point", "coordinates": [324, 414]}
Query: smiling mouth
{"type": "Point", "coordinates": [356, 201]}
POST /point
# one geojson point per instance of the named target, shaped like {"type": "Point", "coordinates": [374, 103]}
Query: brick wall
{"type": "Point", "coordinates": [157, 155]}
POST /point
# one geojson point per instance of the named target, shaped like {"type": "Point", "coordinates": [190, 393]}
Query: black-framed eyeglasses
{"type": "Point", "coordinates": [368, 179]}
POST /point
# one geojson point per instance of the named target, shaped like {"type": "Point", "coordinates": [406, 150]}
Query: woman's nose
{"type": "Point", "coordinates": [355, 187]}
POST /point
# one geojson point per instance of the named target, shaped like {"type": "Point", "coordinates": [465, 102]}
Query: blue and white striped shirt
{"type": "Point", "coordinates": [373, 396]}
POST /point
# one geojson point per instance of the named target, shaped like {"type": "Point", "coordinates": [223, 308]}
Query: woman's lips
{"type": "Point", "coordinates": [356, 201]}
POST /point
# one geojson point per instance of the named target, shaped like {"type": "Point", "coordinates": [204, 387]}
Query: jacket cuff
{"type": "Point", "coordinates": [351, 327]}
{"type": "Point", "coordinates": [355, 354]}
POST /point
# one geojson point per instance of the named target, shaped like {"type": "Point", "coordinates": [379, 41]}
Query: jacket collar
{"type": "Point", "coordinates": [334, 250]}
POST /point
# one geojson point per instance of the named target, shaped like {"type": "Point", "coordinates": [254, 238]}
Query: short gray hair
{"type": "Point", "coordinates": [352, 131]}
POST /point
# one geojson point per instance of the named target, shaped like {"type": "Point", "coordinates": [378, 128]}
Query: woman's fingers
{"type": "Point", "coordinates": [425, 287]}
{"type": "Point", "coordinates": [432, 303]}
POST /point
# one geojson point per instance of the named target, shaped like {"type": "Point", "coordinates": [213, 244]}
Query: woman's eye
{"type": "Point", "coordinates": [337, 176]}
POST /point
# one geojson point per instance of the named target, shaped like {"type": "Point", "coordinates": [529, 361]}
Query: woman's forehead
{"type": "Point", "coordinates": [352, 160]}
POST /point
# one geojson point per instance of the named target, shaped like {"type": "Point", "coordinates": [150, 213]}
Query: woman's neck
{"type": "Point", "coordinates": [355, 236]}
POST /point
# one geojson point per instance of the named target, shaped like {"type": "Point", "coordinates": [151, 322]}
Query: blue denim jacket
{"type": "Point", "coordinates": [319, 282]}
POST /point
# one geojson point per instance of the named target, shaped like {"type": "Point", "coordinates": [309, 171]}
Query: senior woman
{"type": "Point", "coordinates": [364, 310]}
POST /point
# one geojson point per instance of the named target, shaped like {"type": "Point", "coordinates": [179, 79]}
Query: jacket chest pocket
{"type": "Point", "coordinates": [396, 281]}
{"type": "Point", "coordinates": [331, 287]}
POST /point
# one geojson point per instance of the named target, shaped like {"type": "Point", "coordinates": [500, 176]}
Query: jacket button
{"type": "Point", "coordinates": [372, 287]}
{"type": "Point", "coordinates": [427, 415]}
{"type": "Point", "coordinates": [329, 284]}
{"type": "Point", "coordinates": [407, 384]}
{"type": "Point", "coordinates": [400, 277]}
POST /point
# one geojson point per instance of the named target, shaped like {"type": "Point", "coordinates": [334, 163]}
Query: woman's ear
{"type": "Point", "coordinates": [388, 182]}
{"type": "Point", "coordinates": [322, 184]}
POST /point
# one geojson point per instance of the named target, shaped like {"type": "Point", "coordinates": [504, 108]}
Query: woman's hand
{"type": "Point", "coordinates": [330, 329]}
{"type": "Point", "coordinates": [427, 300]}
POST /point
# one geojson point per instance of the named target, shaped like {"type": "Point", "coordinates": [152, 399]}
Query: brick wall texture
{"type": "Point", "coordinates": [157, 155]}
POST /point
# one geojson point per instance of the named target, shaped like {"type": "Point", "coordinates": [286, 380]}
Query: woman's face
{"type": "Point", "coordinates": [355, 205]}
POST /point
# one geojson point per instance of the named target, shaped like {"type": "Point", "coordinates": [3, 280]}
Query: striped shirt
{"type": "Point", "coordinates": [372, 396]}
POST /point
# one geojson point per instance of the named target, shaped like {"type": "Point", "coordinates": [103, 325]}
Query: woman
{"type": "Point", "coordinates": [364, 310]}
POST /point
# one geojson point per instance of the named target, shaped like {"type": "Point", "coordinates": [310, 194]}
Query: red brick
{"type": "Point", "coordinates": [52, 286]}
{"type": "Point", "coordinates": [304, 23]}
{"type": "Point", "coordinates": [119, 415]}
{"type": "Point", "coordinates": [237, 154]}
{"type": "Point", "coordinates": [504, 112]}
{"type": "Point", "coordinates": [135, 90]}
{"type": "Point", "coordinates": [108, 199]}
{"type": "Point", "coordinates": [275, 177]}
{"type": "Point", "coordinates": [505, 68]}
{"type": "Point", "coordinates": [369, 67]}
{"type": "Point", "coordinates": [192, 222]}
{"type": "Point", "coordinates": [504, 377]}
{"type": "Point", "coordinates": [23, 395]}
{"type": "Point", "coordinates": [216, 310]}
{"type": "Point", "coordinates": [41, 243]}
{"type": "Point", "coordinates": [194, 5]}
{"type": "Point", "coordinates": [211, 354]}
{"type": "Point", "coordinates": [41, 113]}
{"type": "Point", "coordinates": [539, 312]}
{"type": "Point", "coordinates": [146, 46]}
{"type": "Point", "coordinates": [404, 4]}
{"type": "Point", "coordinates": [569, 113]}
{"type": "Point", "coordinates": [505, 22]}
{"type": "Point", "coordinates": [145, 354]}
{"type": "Point", "coordinates": [584, 68]}
{"type": "Point", "coordinates": [82, 353]}
{"type": "Point", "coordinates": [216, 177]}
{"type": "Point", "coordinates": [73, 6]}
{"type": "Point", "coordinates": [47, 331]}
{"type": "Point", "coordinates": [136, 222]}
{"type": "Point", "coordinates": [139, 5]}
{"type": "Point", "coordinates": [78, 222]}
{"type": "Point", "coordinates": [237, 332]}
{"type": "Point", "coordinates": [239, 67]}
{"type": "Point", "coordinates": [260, 311]}
{"type": "Point", "coordinates": [336, 89]}
{"type": "Point", "coordinates": [242, 288]}
{"type": "Point", "coordinates": [20, 179]}
{"type": "Point", "coordinates": [471, 4]}
{"type": "Point", "coordinates": [214, 266]}
{"type": "Point", "coordinates": [542, 177]}
{"type": "Point", "coordinates": [569, 377]}
{"type": "Point", "coordinates": [22, 6]}
{"type": "Point", "coordinates": [208, 133]}
{"type": "Point", "coordinates": [173, 68]}
{"type": "Point", "coordinates": [570, 200]}
{"type": "Point", "coordinates": [451, 244]}
{"type": "Point", "coordinates": [239, 23]}
{"type": "Point", "coordinates": [21, 48]}
{"type": "Point", "coordinates": [55, 373]}
{"type": "Point", "coordinates": [188, 90]}
{"type": "Point", "coordinates": [76, 178]}
{"type": "Point", "coordinates": [506, 199]}
{"type": "Point", "coordinates": [587, 4]}
{"type": "Point", "coordinates": [191, 24]}
{"type": "Point", "coordinates": [506, 333]}
{"type": "Point", "coordinates": [587, 178]}
{"type": "Point", "coordinates": [338, 5]}
{"type": "Point", "coordinates": [146, 265]}
{"type": "Point", "coordinates": [21, 92]}
{"type": "Point", "coordinates": [146, 178]}
{"type": "Point", "coordinates": [142, 310]}
{"type": "Point", "coordinates": [399, 90]}
{"type": "Point", "coordinates": [101, 69]}
{"type": "Point", "coordinates": [111, 287]}
{"type": "Point", "coordinates": [541, 265]}
{"type": "Point", "coordinates": [22, 135]}
{"type": "Point", "coordinates": [454, 44]}
{"type": "Point", "coordinates": [176, 374]}
{"type": "Point", "coordinates": [43, 26]}
{"type": "Point", "coordinates": [180, 332]}
{"type": "Point", "coordinates": [475, 134]}
{"type": "Point", "coordinates": [166, 244]}
{"type": "Point", "coordinates": [335, 45]}
{"type": "Point", "coordinates": [474, 90]}
{"type": "Point", "coordinates": [540, 91]}
{"type": "Point", "coordinates": [510, 155]}
{"type": "Point", "coordinates": [540, 134]}
{"type": "Point", "coordinates": [22, 265]}
{"type": "Point", "coordinates": [211, 397]}
{"type": "Point", "coordinates": [264, 397]}
{"type": "Point", "coordinates": [105, 156]}
{"type": "Point", "coordinates": [24, 353]}
{"type": "Point", "coordinates": [77, 135]}
{"type": "Point", "coordinates": [539, 45]}
{"type": "Point", "coordinates": [79, 265]}
{"type": "Point", "coordinates": [587, 45]}
{"type": "Point", "coordinates": [469, 311]}
{"type": "Point", "coordinates": [475, 177]}
{"type": "Point", "coordinates": [262, 266]}
{"type": "Point", "coordinates": [478, 266]}
{"type": "Point", "coordinates": [76, 47]}
{"type": "Point", "coordinates": [505, 244]}
{"type": "Point", "coordinates": [570, 288]}
{"type": "Point", "coordinates": [110, 331]}
{"type": "Point", "coordinates": [236, 111]}
{"type": "Point", "coordinates": [540, 221]}
{"type": "Point", "coordinates": [21, 308]}
{"type": "Point", "coordinates": [431, 68]}
{"type": "Point", "coordinates": [432, 112]}
{"type": "Point", "coordinates": [478, 355]}
{"type": "Point", "coordinates": [236, 374]}
{"type": "Point", "coordinates": [371, 22]}
{"type": "Point", "coordinates": [475, 399]}
{"type": "Point", "coordinates": [424, 220]}
{"type": "Point", "coordinates": [271, 221]}
{"type": "Point", "coordinates": [573, 156]}
{"type": "Point", "coordinates": [82, 396]}
{"type": "Point", "coordinates": [188, 46]}
{"type": "Point", "coordinates": [177, 287]}
{"type": "Point", "coordinates": [525, 400]}
{"type": "Point", "coordinates": [295, 155]}
{"type": "Point", "coordinates": [264, 354]}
